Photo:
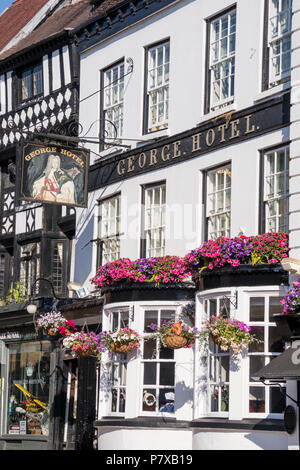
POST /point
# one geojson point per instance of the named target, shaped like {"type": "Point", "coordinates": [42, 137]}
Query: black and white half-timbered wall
{"type": "Point", "coordinates": [39, 89]}
{"type": "Point", "coordinates": [39, 94]}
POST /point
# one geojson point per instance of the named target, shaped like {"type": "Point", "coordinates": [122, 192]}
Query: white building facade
{"type": "Point", "coordinates": [196, 107]}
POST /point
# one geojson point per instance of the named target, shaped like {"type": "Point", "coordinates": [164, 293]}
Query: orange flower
{"type": "Point", "coordinates": [177, 328]}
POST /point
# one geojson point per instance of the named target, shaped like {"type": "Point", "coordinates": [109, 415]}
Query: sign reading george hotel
{"type": "Point", "coordinates": [54, 174]}
{"type": "Point", "coordinates": [211, 135]}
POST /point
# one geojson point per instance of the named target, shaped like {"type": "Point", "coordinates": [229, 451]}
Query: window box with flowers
{"type": "Point", "coordinates": [289, 319]}
{"type": "Point", "coordinates": [232, 262]}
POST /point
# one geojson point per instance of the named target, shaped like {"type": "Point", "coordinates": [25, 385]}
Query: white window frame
{"type": "Point", "coordinates": [158, 77]}
{"type": "Point", "coordinates": [155, 233]}
{"type": "Point", "coordinates": [278, 196]}
{"type": "Point", "coordinates": [213, 352]}
{"type": "Point", "coordinates": [117, 359]}
{"type": "Point", "coordinates": [215, 191]}
{"type": "Point", "coordinates": [109, 228]}
{"type": "Point", "coordinates": [276, 37]}
{"type": "Point", "coordinates": [217, 63]}
{"type": "Point", "coordinates": [113, 102]}
{"type": "Point", "coordinates": [158, 361]}
{"type": "Point", "coordinates": [266, 324]}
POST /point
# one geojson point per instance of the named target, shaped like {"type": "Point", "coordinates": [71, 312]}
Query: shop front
{"type": "Point", "coordinates": [28, 371]}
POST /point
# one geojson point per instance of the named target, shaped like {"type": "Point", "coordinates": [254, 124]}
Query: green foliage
{"type": "Point", "coordinates": [16, 294]}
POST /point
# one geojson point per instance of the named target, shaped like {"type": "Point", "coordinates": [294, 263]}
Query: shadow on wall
{"type": "Point", "coordinates": [84, 253]}
{"type": "Point", "coordinates": [268, 440]}
{"type": "Point", "coordinates": [183, 395]}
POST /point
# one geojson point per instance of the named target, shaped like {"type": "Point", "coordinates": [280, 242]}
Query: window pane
{"type": "Point", "coordinates": [259, 332]}
{"type": "Point", "coordinates": [167, 373]}
{"type": "Point", "coordinates": [149, 400]}
{"type": "Point", "coordinates": [166, 401]}
{"type": "Point", "coordinates": [274, 307]}
{"type": "Point", "coordinates": [256, 363]}
{"type": "Point", "coordinates": [257, 400]}
{"type": "Point", "coordinates": [277, 400]}
{"type": "Point", "coordinates": [150, 373]}
{"type": "Point", "coordinates": [257, 309]}
{"type": "Point", "coordinates": [276, 343]}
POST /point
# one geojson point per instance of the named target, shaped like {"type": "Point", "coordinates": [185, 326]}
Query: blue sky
{"type": "Point", "coordinates": [4, 4]}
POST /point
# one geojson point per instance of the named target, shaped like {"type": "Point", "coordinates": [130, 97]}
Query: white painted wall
{"type": "Point", "coordinates": [228, 440]}
{"type": "Point", "coordinates": [183, 201]}
{"type": "Point", "coordinates": [143, 439]}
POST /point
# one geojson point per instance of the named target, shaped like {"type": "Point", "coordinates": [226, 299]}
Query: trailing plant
{"type": "Point", "coordinates": [160, 270]}
{"type": "Point", "coordinates": [124, 337]}
{"type": "Point", "coordinates": [228, 333]}
{"type": "Point", "coordinates": [291, 302]}
{"type": "Point", "coordinates": [269, 248]}
{"type": "Point", "coordinates": [54, 323]}
{"type": "Point", "coordinates": [172, 328]}
{"type": "Point", "coordinates": [83, 344]}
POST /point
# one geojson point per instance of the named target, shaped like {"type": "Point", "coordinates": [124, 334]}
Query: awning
{"type": "Point", "coordinates": [283, 367]}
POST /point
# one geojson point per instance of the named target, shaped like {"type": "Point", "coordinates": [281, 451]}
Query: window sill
{"type": "Point", "coordinates": [273, 91]}
{"type": "Point", "coordinates": [205, 423]}
{"type": "Point", "coordinates": [218, 112]}
{"type": "Point", "coordinates": [154, 135]}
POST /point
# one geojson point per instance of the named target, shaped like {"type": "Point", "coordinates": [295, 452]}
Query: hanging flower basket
{"type": "Point", "coordinates": [120, 349]}
{"type": "Point", "coordinates": [175, 342]}
{"type": "Point", "coordinates": [228, 333]}
{"type": "Point", "coordinates": [54, 324]}
{"type": "Point", "coordinates": [121, 341]}
{"type": "Point", "coordinates": [173, 335]}
{"type": "Point", "coordinates": [83, 344]}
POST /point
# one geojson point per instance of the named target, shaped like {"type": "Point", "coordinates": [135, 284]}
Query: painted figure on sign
{"type": "Point", "coordinates": [56, 184]}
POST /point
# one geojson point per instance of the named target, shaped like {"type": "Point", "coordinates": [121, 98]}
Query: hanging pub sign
{"type": "Point", "coordinates": [54, 174]}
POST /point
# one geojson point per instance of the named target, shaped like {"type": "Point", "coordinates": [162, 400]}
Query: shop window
{"type": "Point", "coordinates": [222, 47]}
{"type": "Point", "coordinates": [117, 365]}
{"type": "Point", "coordinates": [109, 230]}
{"type": "Point", "coordinates": [218, 202]}
{"type": "Point", "coordinates": [158, 365]}
{"type": "Point", "coordinates": [276, 190]}
{"type": "Point", "coordinates": [154, 221]}
{"type": "Point", "coordinates": [218, 361]}
{"type": "Point", "coordinates": [28, 388]}
{"type": "Point", "coordinates": [157, 87]}
{"type": "Point", "coordinates": [264, 399]}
